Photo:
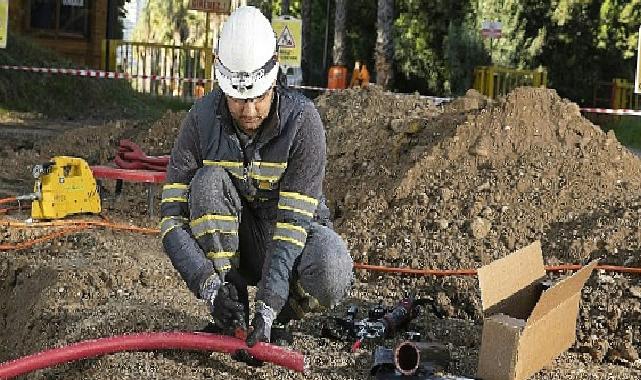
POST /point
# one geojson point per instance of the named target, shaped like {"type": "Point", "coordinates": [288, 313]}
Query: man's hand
{"type": "Point", "coordinates": [228, 312]}
{"type": "Point", "coordinates": [262, 324]}
{"type": "Point", "coordinates": [225, 307]}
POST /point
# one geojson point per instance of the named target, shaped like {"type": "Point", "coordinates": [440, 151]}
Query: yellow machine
{"type": "Point", "coordinates": [64, 186]}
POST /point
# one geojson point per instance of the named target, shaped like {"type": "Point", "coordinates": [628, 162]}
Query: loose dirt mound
{"type": "Point", "coordinates": [410, 184]}
{"type": "Point", "coordinates": [461, 188]}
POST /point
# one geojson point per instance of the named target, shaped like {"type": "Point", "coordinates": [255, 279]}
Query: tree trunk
{"type": "Point", "coordinates": [340, 16]}
{"type": "Point", "coordinates": [385, 44]}
{"type": "Point", "coordinates": [306, 15]}
{"type": "Point", "coordinates": [284, 7]}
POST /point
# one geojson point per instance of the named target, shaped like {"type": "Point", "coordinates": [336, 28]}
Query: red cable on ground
{"type": "Point", "coordinates": [8, 200]}
{"type": "Point", "coordinates": [29, 243]}
{"type": "Point", "coordinates": [80, 224]}
{"type": "Point", "coordinates": [151, 341]}
{"type": "Point", "coordinates": [472, 272]}
{"type": "Point", "coordinates": [418, 272]}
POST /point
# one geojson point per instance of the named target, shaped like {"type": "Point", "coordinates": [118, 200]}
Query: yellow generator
{"type": "Point", "coordinates": [64, 186]}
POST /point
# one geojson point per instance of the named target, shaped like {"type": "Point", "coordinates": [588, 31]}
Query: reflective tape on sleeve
{"type": "Point", "coordinates": [223, 260]}
{"type": "Point", "coordinates": [267, 171]}
{"type": "Point", "coordinates": [223, 224]}
{"type": "Point", "coordinates": [298, 203]}
{"type": "Point", "coordinates": [174, 192]}
{"type": "Point", "coordinates": [221, 255]}
{"type": "Point", "coordinates": [169, 223]}
{"type": "Point", "coordinates": [290, 233]}
{"type": "Point", "coordinates": [234, 168]}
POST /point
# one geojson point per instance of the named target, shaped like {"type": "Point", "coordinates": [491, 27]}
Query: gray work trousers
{"type": "Point", "coordinates": [322, 274]}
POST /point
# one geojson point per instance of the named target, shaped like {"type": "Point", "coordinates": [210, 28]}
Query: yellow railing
{"type": "Point", "coordinates": [494, 81]}
{"type": "Point", "coordinates": [623, 96]}
{"type": "Point", "coordinates": [146, 59]}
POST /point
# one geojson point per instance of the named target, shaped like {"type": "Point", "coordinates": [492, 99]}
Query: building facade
{"type": "Point", "coordinates": [73, 28]}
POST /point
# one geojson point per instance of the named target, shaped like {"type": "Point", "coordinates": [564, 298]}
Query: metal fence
{"type": "Point", "coordinates": [155, 68]}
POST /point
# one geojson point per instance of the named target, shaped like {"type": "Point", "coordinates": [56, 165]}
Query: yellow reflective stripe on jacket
{"type": "Point", "coordinates": [224, 224]}
{"type": "Point", "coordinates": [170, 200]}
{"type": "Point", "coordinates": [223, 164]}
{"type": "Point", "coordinates": [169, 223]}
{"type": "Point", "coordinates": [275, 165]}
{"type": "Point", "coordinates": [235, 168]}
{"type": "Point", "coordinates": [298, 203]}
{"type": "Point", "coordinates": [175, 185]}
{"type": "Point", "coordinates": [267, 171]}
{"type": "Point", "coordinates": [290, 240]}
{"type": "Point", "coordinates": [174, 192]}
{"type": "Point", "coordinates": [300, 197]}
{"type": "Point", "coordinates": [296, 210]}
{"type": "Point", "coordinates": [221, 255]}
{"type": "Point", "coordinates": [291, 233]}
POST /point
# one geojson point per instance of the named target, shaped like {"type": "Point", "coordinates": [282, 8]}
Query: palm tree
{"type": "Point", "coordinates": [385, 43]}
{"type": "Point", "coordinates": [339, 32]}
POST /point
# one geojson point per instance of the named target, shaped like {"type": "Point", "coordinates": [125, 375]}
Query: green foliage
{"type": "Point", "coordinates": [421, 27]}
{"type": "Point", "coordinates": [463, 51]}
{"type": "Point", "coordinates": [69, 97]}
{"type": "Point", "coordinates": [438, 42]}
{"type": "Point", "coordinates": [171, 22]}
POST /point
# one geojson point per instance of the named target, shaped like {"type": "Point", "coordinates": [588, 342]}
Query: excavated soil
{"type": "Point", "coordinates": [410, 184]}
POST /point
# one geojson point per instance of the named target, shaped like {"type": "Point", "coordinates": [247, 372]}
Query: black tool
{"type": "Point", "coordinates": [381, 323]}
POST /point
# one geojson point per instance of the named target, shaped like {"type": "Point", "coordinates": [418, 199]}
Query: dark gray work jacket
{"type": "Point", "coordinates": [279, 174]}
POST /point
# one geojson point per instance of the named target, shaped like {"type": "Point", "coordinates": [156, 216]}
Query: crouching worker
{"type": "Point", "coordinates": [243, 204]}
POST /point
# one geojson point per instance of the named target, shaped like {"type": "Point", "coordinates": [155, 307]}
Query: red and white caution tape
{"type": "Point", "coordinates": [115, 75]}
{"type": "Point", "coordinates": [314, 88]}
{"type": "Point", "coordinates": [612, 111]}
{"type": "Point", "coordinates": [100, 74]}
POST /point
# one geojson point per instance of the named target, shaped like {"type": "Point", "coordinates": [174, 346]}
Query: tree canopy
{"type": "Point", "coordinates": [437, 43]}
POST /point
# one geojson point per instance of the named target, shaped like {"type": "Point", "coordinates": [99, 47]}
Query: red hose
{"type": "Point", "coordinates": [150, 341]}
{"type": "Point", "coordinates": [472, 272]}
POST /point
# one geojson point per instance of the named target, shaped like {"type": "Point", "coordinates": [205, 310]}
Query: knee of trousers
{"type": "Point", "coordinates": [211, 191]}
{"type": "Point", "coordinates": [325, 270]}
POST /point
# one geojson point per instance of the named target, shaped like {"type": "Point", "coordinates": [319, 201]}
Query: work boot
{"type": "Point", "coordinates": [281, 335]}
{"type": "Point", "coordinates": [299, 304]}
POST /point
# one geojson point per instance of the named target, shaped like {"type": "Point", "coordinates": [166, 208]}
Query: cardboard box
{"type": "Point", "coordinates": [526, 323]}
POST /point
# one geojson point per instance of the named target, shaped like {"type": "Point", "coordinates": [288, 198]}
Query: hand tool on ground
{"type": "Point", "coordinates": [64, 186]}
{"type": "Point", "coordinates": [381, 323]}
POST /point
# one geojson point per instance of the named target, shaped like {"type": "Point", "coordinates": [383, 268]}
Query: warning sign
{"type": "Point", "coordinates": [286, 40]}
{"type": "Point", "coordinates": [4, 22]}
{"type": "Point", "coordinates": [289, 40]}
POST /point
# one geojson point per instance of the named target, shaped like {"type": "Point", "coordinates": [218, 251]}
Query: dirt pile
{"type": "Point", "coordinates": [462, 187]}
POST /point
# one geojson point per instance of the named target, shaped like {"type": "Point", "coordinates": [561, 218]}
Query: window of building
{"type": "Point", "coordinates": [70, 17]}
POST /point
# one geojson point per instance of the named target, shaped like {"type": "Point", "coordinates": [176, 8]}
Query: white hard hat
{"type": "Point", "coordinates": [246, 64]}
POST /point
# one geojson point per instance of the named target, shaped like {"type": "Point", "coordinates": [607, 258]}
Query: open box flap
{"type": "Point", "coordinates": [504, 277]}
{"type": "Point", "coordinates": [560, 292]}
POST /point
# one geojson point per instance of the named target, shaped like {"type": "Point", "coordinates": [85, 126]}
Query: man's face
{"type": "Point", "coordinates": [250, 113]}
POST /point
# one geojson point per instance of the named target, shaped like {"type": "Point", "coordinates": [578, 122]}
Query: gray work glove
{"type": "Point", "coordinates": [262, 324]}
{"type": "Point", "coordinates": [225, 307]}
